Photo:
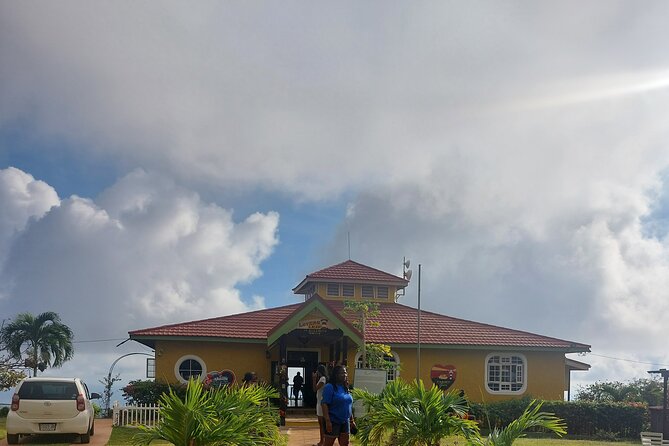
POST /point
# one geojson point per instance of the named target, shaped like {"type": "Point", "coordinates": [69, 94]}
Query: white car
{"type": "Point", "coordinates": [45, 405]}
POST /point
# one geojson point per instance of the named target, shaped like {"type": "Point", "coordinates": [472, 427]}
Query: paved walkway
{"type": "Point", "coordinates": [301, 436]}
{"type": "Point", "coordinates": [103, 429]}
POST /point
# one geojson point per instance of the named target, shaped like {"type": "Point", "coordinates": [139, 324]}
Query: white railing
{"type": "Point", "coordinates": [144, 414]}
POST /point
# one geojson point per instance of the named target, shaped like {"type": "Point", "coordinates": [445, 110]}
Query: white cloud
{"type": "Point", "coordinates": [306, 99]}
{"type": "Point", "coordinates": [146, 252]}
{"type": "Point", "coordinates": [22, 198]}
{"type": "Point", "coordinates": [515, 150]}
{"type": "Point", "coordinates": [497, 246]}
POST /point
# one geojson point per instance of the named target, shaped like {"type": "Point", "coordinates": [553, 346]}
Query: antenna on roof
{"type": "Point", "coordinates": [348, 237]}
{"type": "Point", "coordinates": [406, 275]}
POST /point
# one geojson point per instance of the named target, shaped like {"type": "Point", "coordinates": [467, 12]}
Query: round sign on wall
{"type": "Point", "coordinates": [443, 376]}
{"type": "Point", "coordinates": [218, 379]}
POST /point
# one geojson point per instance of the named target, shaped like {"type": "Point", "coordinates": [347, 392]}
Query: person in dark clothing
{"type": "Point", "coordinates": [249, 379]}
{"type": "Point", "coordinates": [298, 382]}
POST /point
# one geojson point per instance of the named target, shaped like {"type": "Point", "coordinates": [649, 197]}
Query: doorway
{"type": "Point", "coordinates": [295, 393]}
{"type": "Point", "coordinates": [305, 362]}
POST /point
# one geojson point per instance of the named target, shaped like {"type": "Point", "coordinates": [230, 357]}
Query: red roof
{"type": "Point", "coordinates": [251, 325]}
{"type": "Point", "coordinates": [353, 272]}
{"type": "Point", "coordinates": [398, 325]}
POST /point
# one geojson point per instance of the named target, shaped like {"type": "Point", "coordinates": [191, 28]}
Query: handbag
{"type": "Point", "coordinates": [354, 429]}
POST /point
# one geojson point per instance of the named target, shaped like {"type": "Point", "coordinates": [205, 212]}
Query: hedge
{"type": "Point", "coordinates": [149, 391]}
{"type": "Point", "coordinates": [583, 418]}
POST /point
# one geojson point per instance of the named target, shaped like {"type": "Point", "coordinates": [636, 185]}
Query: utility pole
{"type": "Point", "coordinates": [665, 375]}
{"type": "Point", "coordinates": [418, 340]}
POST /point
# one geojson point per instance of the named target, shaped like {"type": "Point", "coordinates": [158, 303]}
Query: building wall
{"type": "Point", "coordinates": [544, 370]}
{"type": "Point", "coordinates": [217, 356]}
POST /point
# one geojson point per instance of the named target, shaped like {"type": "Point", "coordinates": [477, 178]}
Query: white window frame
{"type": "Point", "coordinates": [391, 375]}
{"type": "Point", "coordinates": [327, 289]}
{"type": "Point", "coordinates": [151, 368]}
{"type": "Point", "coordinates": [378, 294]}
{"type": "Point", "coordinates": [502, 365]}
{"type": "Point", "coordinates": [179, 361]}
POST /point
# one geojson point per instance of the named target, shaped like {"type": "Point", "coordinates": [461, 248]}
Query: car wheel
{"type": "Point", "coordinates": [85, 438]}
{"type": "Point", "coordinates": [12, 438]}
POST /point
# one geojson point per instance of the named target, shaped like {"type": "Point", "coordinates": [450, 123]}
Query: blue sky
{"type": "Point", "coordinates": [162, 163]}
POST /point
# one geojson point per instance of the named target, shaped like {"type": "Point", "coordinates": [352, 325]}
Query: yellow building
{"type": "Point", "coordinates": [485, 361]}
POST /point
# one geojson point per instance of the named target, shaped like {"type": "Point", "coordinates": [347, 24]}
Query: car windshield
{"type": "Point", "coordinates": [48, 391]}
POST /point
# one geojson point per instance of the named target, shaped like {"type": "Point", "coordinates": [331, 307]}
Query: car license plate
{"type": "Point", "coordinates": [47, 427]}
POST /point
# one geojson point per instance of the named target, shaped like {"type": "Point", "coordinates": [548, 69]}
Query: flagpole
{"type": "Point", "coordinates": [418, 350]}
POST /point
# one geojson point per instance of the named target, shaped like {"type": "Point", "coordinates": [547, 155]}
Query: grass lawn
{"type": "Point", "coordinates": [558, 442]}
{"type": "Point", "coordinates": [544, 442]}
{"type": "Point", "coordinates": [121, 436]}
{"type": "Point", "coordinates": [552, 442]}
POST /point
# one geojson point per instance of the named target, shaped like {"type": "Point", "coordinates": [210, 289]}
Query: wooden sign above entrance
{"type": "Point", "coordinates": [313, 324]}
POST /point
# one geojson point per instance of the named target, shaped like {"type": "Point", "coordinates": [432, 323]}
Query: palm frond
{"type": "Point", "coordinates": [531, 418]}
{"type": "Point", "coordinates": [412, 415]}
{"type": "Point", "coordinates": [43, 338]}
{"type": "Point", "coordinates": [240, 416]}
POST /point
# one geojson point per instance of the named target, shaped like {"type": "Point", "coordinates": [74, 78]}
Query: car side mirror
{"type": "Point", "coordinates": [95, 396]}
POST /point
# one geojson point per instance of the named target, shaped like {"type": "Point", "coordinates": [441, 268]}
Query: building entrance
{"type": "Point", "coordinates": [305, 362]}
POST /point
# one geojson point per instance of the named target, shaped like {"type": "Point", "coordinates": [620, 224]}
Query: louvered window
{"type": "Point", "coordinates": [382, 292]}
{"type": "Point", "coordinates": [347, 290]}
{"type": "Point", "coordinates": [333, 289]}
{"type": "Point", "coordinates": [367, 291]}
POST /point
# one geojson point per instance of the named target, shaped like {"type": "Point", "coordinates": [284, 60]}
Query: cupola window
{"type": "Point", "coordinates": [367, 291]}
{"type": "Point", "coordinates": [333, 289]}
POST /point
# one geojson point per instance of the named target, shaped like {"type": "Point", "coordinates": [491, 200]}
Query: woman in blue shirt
{"type": "Point", "coordinates": [337, 407]}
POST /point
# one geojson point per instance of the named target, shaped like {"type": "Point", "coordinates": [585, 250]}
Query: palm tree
{"type": "Point", "coordinates": [410, 414]}
{"type": "Point", "coordinates": [45, 339]}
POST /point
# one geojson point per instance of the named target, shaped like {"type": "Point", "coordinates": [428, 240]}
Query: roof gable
{"type": "Point", "coordinates": [308, 308]}
{"type": "Point", "coordinates": [350, 271]}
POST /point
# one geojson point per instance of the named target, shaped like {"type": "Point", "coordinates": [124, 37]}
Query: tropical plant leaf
{"type": "Point", "coordinates": [410, 414]}
{"type": "Point", "coordinates": [240, 416]}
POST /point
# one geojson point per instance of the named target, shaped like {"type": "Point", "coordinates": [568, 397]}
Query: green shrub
{"type": "Point", "coordinates": [96, 409]}
{"type": "Point", "coordinates": [149, 391]}
{"type": "Point", "coordinates": [4, 411]}
{"type": "Point", "coordinates": [583, 418]}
